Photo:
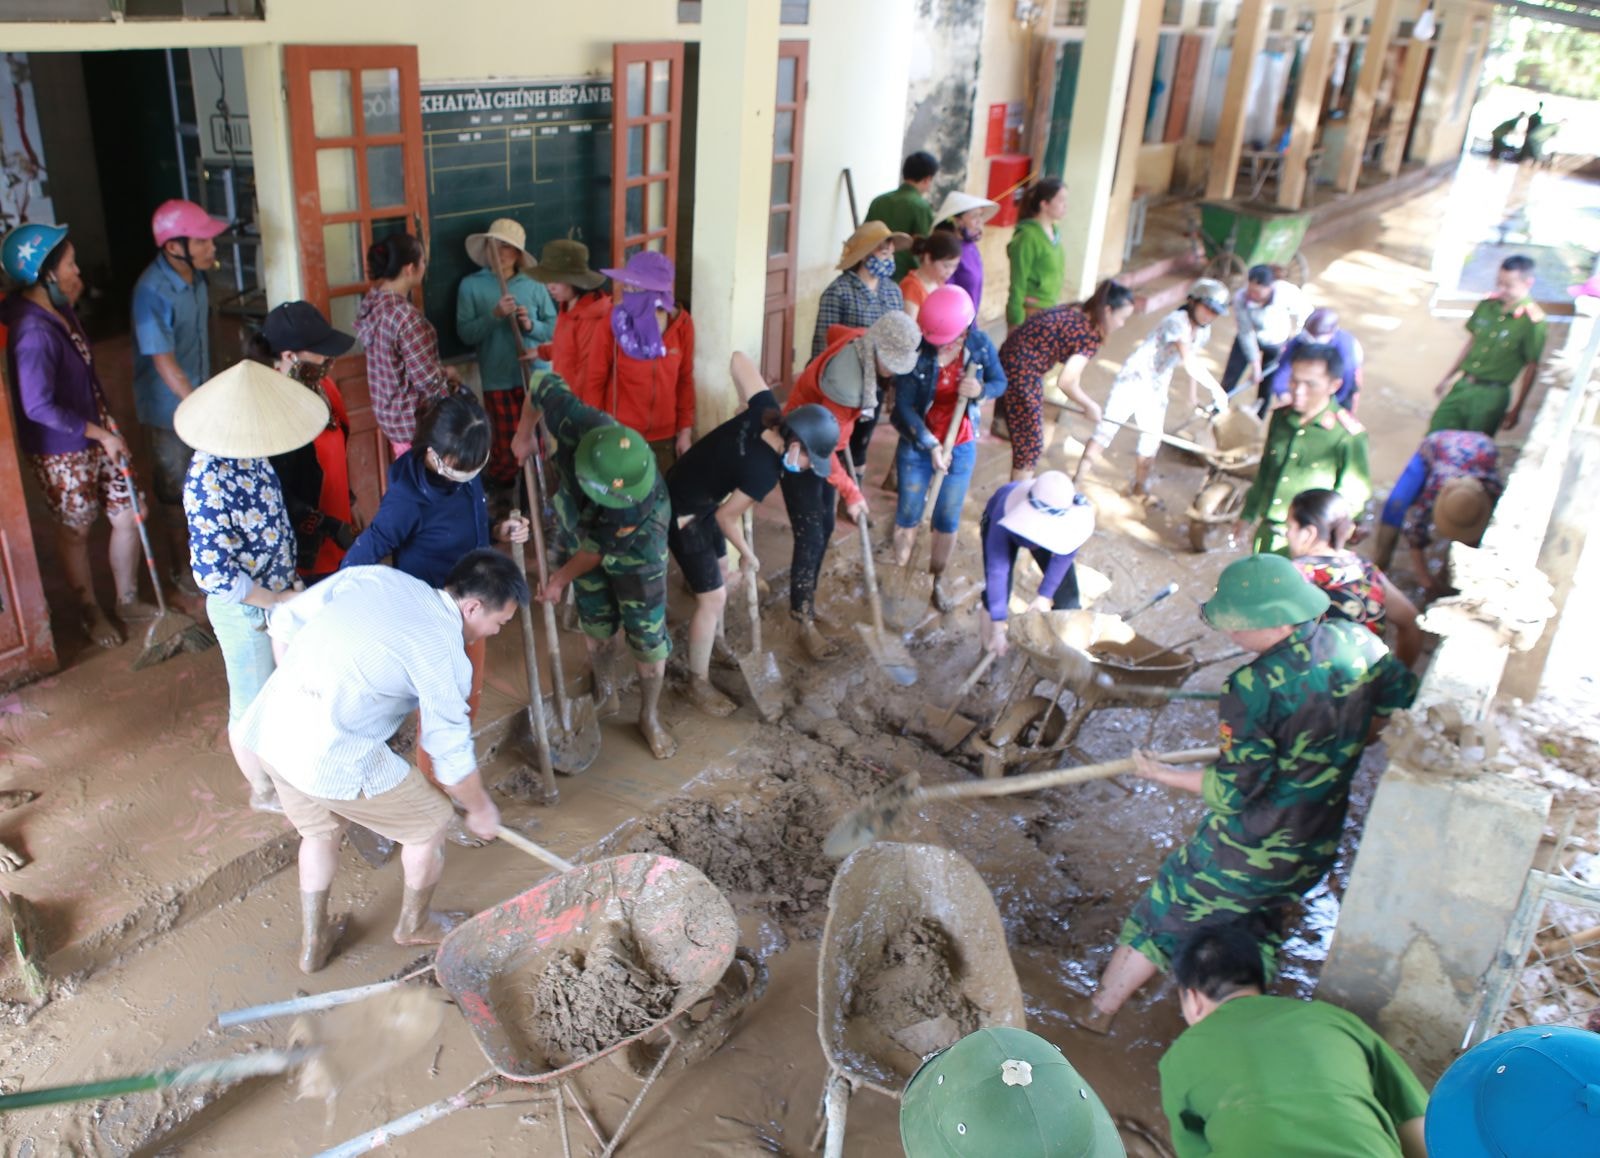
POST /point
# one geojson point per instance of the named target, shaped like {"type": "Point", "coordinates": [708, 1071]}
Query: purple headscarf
{"type": "Point", "coordinates": [635, 325]}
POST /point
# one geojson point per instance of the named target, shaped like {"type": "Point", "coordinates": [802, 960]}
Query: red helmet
{"type": "Point", "coordinates": [175, 219]}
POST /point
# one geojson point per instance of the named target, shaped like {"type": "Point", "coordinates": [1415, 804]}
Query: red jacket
{"type": "Point", "coordinates": [808, 389]}
{"type": "Point", "coordinates": [580, 351]}
{"type": "Point", "coordinates": [655, 396]}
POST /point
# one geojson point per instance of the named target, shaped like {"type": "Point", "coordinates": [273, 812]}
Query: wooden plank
{"type": "Point", "coordinates": [1249, 37]}
{"type": "Point", "coordinates": [1308, 106]}
{"type": "Point", "coordinates": [1385, 16]}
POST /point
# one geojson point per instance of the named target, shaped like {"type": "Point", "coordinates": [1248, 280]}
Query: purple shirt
{"type": "Point", "coordinates": [1349, 353]}
{"type": "Point", "coordinates": [1000, 548]}
{"type": "Point", "coordinates": [969, 274]}
{"type": "Point", "coordinates": [52, 377]}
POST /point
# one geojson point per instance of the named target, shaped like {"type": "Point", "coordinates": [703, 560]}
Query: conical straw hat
{"type": "Point", "coordinates": [250, 411]}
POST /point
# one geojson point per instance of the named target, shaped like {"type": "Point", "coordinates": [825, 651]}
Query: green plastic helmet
{"type": "Point", "coordinates": [1262, 591]}
{"type": "Point", "coordinates": [616, 467]}
{"type": "Point", "coordinates": [1003, 1091]}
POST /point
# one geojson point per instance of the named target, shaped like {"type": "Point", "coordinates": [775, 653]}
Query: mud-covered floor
{"type": "Point", "coordinates": [140, 799]}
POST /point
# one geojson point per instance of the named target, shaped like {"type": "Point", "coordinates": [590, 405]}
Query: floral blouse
{"type": "Point", "coordinates": [1354, 587]}
{"type": "Point", "coordinates": [239, 529]}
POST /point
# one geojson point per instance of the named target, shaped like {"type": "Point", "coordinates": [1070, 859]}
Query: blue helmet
{"type": "Point", "coordinates": [1531, 1091]}
{"type": "Point", "coordinates": [24, 249]}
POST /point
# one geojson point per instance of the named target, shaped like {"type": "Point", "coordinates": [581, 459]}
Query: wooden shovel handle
{"type": "Point", "coordinates": [868, 566]}
{"type": "Point", "coordinates": [517, 841]}
{"type": "Point", "coordinates": [1058, 777]}
{"type": "Point", "coordinates": [966, 686]}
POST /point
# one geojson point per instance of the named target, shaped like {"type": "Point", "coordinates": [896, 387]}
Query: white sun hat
{"type": "Point", "coordinates": [1049, 512]}
{"type": "Point", "coordinates": [250, 411]}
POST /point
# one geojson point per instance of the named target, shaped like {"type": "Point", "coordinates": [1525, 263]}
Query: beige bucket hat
{"type": "Point", "coordinates": [871, 234]}
{"type": "Point", "coordinates": [501, 229]}
{"type": "Point", "coordinates": [1462, 510]}
{"type": "Point", "coordinates": [250, 411]}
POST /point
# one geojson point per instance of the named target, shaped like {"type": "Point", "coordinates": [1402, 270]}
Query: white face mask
{"type": "Point", "coordinates": [437, 466]}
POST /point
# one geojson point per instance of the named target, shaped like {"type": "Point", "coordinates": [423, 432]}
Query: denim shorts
{"type": "Point", "coordinates": [241, 632]}
{"type": "Point", "coordinates": [915, 467]}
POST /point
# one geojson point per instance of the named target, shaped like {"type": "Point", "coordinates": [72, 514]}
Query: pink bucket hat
{"type": "Point", "coordinates": [1589, 289]}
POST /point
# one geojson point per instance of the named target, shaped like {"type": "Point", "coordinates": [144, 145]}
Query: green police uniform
{"type": "Point", "coordinates": [1293, 724]}
{"type": "Point", "coordinates": [629, 588]}
{"type": "Point", "coordinates": [1505, 340]}
{"type": "Point", "coordinates": [1329, 450]}
{"type": "Point", "coordinates": [904, 211]}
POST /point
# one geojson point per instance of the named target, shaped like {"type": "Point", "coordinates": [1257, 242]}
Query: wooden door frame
{"type": "Point", "coordinates": [800, 50]}
{"type": "Point", "coordinates": [624, 53]}
{"type": "Point", "coordinates": [34, 653]}
{"type": "Point", "coordinates": [299, 61]}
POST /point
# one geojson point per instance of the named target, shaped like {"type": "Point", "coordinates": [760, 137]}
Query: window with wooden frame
{"type": "Point", "coordinates": [647, 126]}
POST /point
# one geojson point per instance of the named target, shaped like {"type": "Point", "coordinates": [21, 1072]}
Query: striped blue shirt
{"type": "Point", "coordinates": [366, 647]}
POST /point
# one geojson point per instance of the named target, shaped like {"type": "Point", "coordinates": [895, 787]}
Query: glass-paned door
{"type": "Point", "coordinates": [783, 214]}
{"type": "Point", "coordinates": [647, 123]}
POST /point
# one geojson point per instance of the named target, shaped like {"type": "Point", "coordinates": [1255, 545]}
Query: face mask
{"type": "Point", "coordinates": [58, 297]}
{"type": "Point", "coordinates": [437, 466]}
{"type": "Point", "coordinates": [789, 459]}
{"type": "Point", "coordinates": [880, 266]}
{"type": "Point", "coordinates": [308, 374]}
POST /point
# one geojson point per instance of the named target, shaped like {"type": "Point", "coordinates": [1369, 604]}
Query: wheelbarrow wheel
{"type": "Point", "coordinates": [1298, 271]}
{"type": "Point", "coordinates": [702, 1028]}
{"type": "Point", "coordinates": [1228, 268]}
{"type": "Point", "coordinates": [1212, 501]}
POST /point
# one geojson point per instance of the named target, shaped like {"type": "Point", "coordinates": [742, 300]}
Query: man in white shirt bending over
{"type": "Point", "coordinates": [1269, 313]}
{"type": "Point", "coordinates": [357, 654]}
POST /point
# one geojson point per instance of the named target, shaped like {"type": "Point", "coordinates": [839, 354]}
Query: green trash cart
{"type": "Point", "coordinates": [1236, 235]}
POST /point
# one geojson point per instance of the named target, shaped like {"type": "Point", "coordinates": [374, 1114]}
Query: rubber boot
{"type": "Point", "coordinates": [318, 934]}
{"type": "Point", "coordinates": [722, 655]}
{"type": "Point", "coordinates": [816, 645]}
{"type": "Point", "coordinates": [419, 924]}
{"type": "Point", "coordinates": [1383, 544]}
{"type": "Point", "coordinates": [662, 745]}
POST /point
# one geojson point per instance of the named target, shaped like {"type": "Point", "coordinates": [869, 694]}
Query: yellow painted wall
{"type": "Point", "coordinates": [1154, 172]}
{"type": "Point", "coordinates": [1003, 76]}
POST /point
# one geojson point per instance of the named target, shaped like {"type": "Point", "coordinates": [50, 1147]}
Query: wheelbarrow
{"type": "Point", "coordinates": [1232, 236]}
{"type": "Point", "coordinates": [1124, 669]}
{"type": "Point", "coordinates": [880, 894]}
{"type": "Point", "coordinates": [1238, 436]}
{"type": "Point", "coordinates": [679, 928]}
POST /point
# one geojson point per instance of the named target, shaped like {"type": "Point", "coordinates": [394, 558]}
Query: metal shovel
{"type": "Point", "coordinates": [575, 740]}
{"type": "Point", "coordinates": [887, 651]}
{"type": "Point", "coordinates": [944, 726]}
{"type": "Point", "coordinates": [759, 668]}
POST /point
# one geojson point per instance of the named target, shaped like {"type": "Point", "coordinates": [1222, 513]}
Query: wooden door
{"type": "Point", "coordinates": [355, 125]}
{"type": "Point", "coordinates": [1183, 78]}
{"type": "Point", "coordinates": [27, 647]}
{"type": "Point", "coordinates": [783, 214]}
{"type": "Point", "coordinates": [646, 130]}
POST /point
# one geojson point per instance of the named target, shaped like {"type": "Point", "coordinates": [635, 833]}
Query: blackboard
{"type": "Point", "coordinates": [535, 151]}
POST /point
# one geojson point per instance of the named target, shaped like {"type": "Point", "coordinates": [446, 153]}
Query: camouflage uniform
{"type": "Point", "coordinates": [1329, 449]}
{"type": "Point", "coordinates": [1293, 725]}
{"type": "Point", "coordinates": [629, 588]}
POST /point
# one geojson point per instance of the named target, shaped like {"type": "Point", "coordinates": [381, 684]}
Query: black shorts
{"type": "Point", "coordinates": [699, 548]}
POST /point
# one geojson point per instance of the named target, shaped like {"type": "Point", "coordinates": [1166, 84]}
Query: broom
{"type": "Point", "coordinates": [20, 923]}
{"type": "Point", "coordinates": [172, 631]}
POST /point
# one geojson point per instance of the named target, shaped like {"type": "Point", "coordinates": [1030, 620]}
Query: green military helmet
{"type": "Point", "coordinates": [1003, 1091]}
{"type": "Point", "coordinates": [1262, 591]}
{"type": "Point", "coordinates": [616, 467]}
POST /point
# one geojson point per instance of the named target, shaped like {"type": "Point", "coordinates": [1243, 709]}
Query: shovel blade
{"type": "Point", "coordinates": [374, 849]}
{"type": "Point", "coordinates": [575, 743]}
{"type": "Point", "coordinates": [947, 731]}
{"type": "Point", "coordinates": [761, 676]}
{"type": "Point", "coordinates": [890, 654]}
{"type": "Point", "coordinates": [869, 822]}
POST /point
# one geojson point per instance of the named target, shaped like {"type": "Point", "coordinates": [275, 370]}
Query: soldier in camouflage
{"type": "Point", "coordinates": [1293, 724]}
{"type": "Point", "coordinates": [1313, 443]}
{"type": "Point", "coordinates": [612, 510]}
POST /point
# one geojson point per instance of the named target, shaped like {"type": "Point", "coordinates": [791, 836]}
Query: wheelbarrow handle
{"type": "Point", "coordinates": [313, 1002]}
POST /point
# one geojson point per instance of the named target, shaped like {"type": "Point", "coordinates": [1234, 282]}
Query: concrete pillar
{"type": "Point", "coordinates": [1308, 105]}
{"type": "Point", "coordinates": [1249, 36]}
{"type": "Point", "coordinates": [1385, 15]}
{"type": "Point", "coordinates": [1141, 71]}
{"type": "Point", "coordinates": [738, 88]}
{"type": "Point", "coordinates": [274, 172]}
{"type": "Point", "coordinates": [1408, 93]}
{"type": "Point", "coordinates": [1097, 116]}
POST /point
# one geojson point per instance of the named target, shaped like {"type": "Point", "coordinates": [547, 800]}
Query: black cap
{"type": "Point", "coordinates": [1262, 275]}
{"type": "Point", "coordinates": [301, 326]}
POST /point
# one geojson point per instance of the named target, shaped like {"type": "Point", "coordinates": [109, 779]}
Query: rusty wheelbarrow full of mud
{"type": "Point", "coordinates": [1094, 659]}
{"type": "Point", "coordinates": [635, 956]}
{"type": "Point", "coordinates": [913, 958]}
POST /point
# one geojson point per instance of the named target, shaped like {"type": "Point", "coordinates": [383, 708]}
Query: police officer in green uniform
{"type": "Point", "coordinates": [1508, 332]}
{"type": "Point", "coordinates": [1293, 723]}
{"type": "Point", "coordinates": [615, 502]}
{"type": "Point", "coordinates": [1312, 443]}
{"type": "Point", "coordinates": [907, 209]}
{"type": "Point", "coordinates": [1004, 1092]}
